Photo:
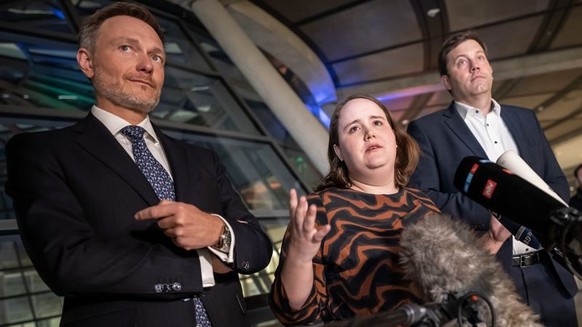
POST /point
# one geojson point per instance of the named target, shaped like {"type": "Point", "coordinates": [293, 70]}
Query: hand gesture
{"type": "Point", "coordinates": [304, 242]}
{"type": "Point", "coordinates": [305, 236]}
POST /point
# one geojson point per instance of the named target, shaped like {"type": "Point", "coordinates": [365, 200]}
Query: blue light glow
{"type": "Point", "coordinates": [59, 13]}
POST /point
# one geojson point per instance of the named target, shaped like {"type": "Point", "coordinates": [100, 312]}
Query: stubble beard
{"type": "Point", "coordinates": [115, 93]}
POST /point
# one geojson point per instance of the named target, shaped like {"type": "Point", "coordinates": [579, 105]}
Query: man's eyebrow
{"type": "Point", "coordinates": [132, 41]}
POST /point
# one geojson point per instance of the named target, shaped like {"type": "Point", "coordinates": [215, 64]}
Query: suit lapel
{"type": "Point", "coordinates": [178, 165]}
{"type": "Point", "coordinates": [98, 141]}
{"type": "Point", "coordinates": [518, 132]}
{"type": "Point", "coordinates": [191, 179]}
{"type": "Point", "coordinates": [457, 126]}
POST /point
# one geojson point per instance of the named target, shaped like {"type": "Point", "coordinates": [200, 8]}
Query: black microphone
{"type": "Point", "coordinates": [503, 192]}
{"type": "Point", "coordinates": [558, 226]}
{"type": "Point", "coordinates": [406, 315]}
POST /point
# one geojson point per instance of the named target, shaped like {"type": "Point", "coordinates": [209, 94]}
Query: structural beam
{"type": "Point", "coordinates": [523, 66]}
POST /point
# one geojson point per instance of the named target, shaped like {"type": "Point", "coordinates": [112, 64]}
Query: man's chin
{"type": "Point", "coordinates": [145, 108]}
{"type": "Point", "coordinates": [142, 106]}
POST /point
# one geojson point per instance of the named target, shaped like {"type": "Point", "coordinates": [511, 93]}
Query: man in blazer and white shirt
{"type": "Point", "coordinates": [93, 226]}
{"type": "Point", "coordinates": [476, 125]}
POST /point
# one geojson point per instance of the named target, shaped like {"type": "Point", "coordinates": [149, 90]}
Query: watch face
{"type": "Point", "coordinates": [224, 241]}
{"type": "Point", "coordinates": [226, 238]}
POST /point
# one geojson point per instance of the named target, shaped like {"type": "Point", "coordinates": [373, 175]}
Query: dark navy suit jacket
{"type": "Point", "coordinates": [445, 139]}
{"type": "Point", "coordinates": [75, 193]}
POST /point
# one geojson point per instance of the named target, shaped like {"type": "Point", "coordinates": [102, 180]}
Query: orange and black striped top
{"type": "Point", "coordinates": [356, 268]}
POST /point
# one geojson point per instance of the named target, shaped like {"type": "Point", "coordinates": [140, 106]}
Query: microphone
{"type": "Point", "coordinates": [442, 256]}
{"type": "Point", "coordinates": [501, 191]}
{"type": "Point", "coordinates": [512, 161]}
{"type": "Point", "coordinates": [558, 226]}
{"type": "Point", "coordinates": [407, 315]}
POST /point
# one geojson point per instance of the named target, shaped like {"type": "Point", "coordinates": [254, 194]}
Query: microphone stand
{"type": "Point", "coordinates": [566, 237]}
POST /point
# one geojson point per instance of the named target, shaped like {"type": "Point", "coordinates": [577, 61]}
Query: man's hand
{"type": "Point", "coordinates": [495, 236]}
{"type": "Point", "coordinates": [187, 226]}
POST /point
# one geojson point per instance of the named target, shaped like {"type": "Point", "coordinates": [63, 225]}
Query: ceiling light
{"type": "Point", "coordinates": [433, 12]}
{"type": "Point", "coordinates": [204, 108]}
{"type": "Point", "coordinates": [67, 97]}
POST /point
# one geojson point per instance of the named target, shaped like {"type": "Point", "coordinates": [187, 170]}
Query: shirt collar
{"type": "Point", "coordinates": [463, 109]}
{"type": "Point", "coordinates": [115, 123]}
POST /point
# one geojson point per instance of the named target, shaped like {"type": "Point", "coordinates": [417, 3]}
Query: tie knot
{"type": "Point", "coordinates": [134, 133]}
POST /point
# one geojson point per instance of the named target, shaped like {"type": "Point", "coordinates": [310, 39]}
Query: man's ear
{"type": "Point", "coordinates": [85, 60]}
{"type": "Point", "coordinates": [446, 82]}
{"type": "Point", "coordinates": [338, 152]}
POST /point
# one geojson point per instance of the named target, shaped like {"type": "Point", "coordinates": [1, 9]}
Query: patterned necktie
{"type": "Point", "coordinates": [154, 172]}
{"type": "Point", "coordinates": [163, 185]}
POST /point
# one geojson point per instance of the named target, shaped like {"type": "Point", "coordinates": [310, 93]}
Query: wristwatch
{"type": "Point", "coordinates": [224, 240]}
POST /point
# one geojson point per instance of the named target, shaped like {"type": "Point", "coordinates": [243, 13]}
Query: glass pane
{"type": "Point", "coordinates": [46, 305]}
{"type": "Point", "coordinates": [5, 202]}
{"type": "Point", "coordinates": [45, 15]}
{"type": "Point", "coordinates": [15, 310]}
{"type": "Point", "coordinates": [8, 257]}
{"type": "Point", "coordinates": [179, 48]}
{"type": "Point", "coordinates": [53, 322]}
{"type": "Point", "coordinates": [297, 157]}
{"type": "Point", "coordinates": [24, 259]}
{"type": "Point", "coordinates": [11, 284]}
{"type": "Point", "coordinates": [254, 168]}
{"type": "Point", "coordinates": [201, 100]}
{"type": "Point", "coordinates": [34, 282]}
{"type": "Point", "coordinates": [225, 66]}
{"type": "Point", "coordinates": [27, 324]}
{"type": "Point", "coordinates": [41, 73]}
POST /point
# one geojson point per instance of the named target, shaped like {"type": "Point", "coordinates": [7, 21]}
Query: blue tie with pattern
{"type": "Point", "coordinates": [163, 185]}
{"type": "Point", "coordinates": [154, 172]}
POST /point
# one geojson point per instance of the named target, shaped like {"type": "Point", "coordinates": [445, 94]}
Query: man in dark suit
{"type": "Point", "coordinates": [476, 125]}
{"type": "Point", "coordinates": [576, 200]}
{"type": "Point", "coordinates": [93, 223]}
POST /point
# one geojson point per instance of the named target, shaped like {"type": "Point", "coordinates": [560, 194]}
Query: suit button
{"type": "Point", "coordinates": [159, 288]}
{"type": "Point", "coordinates": [176, 286]}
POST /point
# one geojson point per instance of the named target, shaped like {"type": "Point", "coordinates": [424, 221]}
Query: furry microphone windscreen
{"type": "Point", "coordinates": [443, 256]}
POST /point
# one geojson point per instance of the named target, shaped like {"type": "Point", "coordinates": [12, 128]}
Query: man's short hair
{"type": "Point", "coordinates": [91, 24]}
{"type": "Point", "coordinates": [452, 42]}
